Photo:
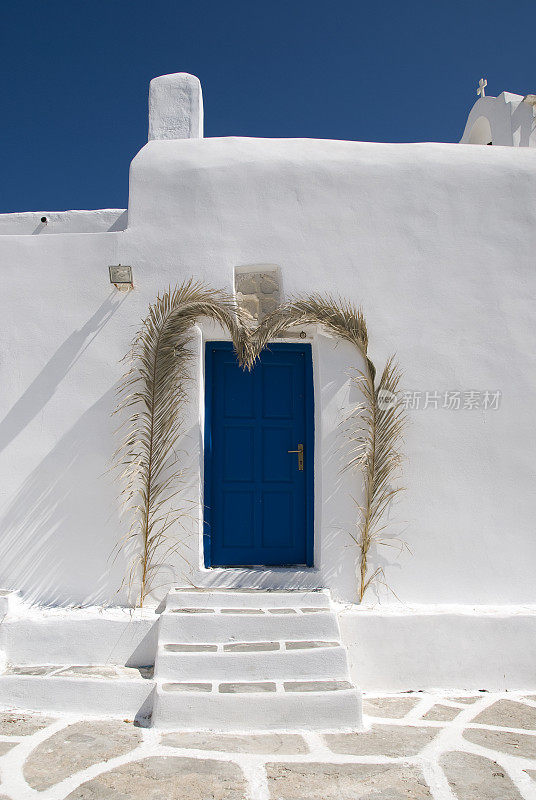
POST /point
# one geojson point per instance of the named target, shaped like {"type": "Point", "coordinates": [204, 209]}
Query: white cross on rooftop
{"type": "Point", "coordinates": [482, 83]}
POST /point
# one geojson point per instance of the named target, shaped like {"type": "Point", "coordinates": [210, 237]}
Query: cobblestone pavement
{"type": "Point", "coordinates": [415, 745]}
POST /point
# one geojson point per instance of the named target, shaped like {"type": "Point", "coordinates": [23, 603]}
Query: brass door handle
{"type": "Point", "coordinates": [299, 451]}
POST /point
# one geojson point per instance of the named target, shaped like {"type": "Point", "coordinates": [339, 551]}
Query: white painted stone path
{"type": "Point", "coordinates": [413, 747]}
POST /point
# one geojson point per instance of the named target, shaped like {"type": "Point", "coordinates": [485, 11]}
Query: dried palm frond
{"type": "Point", "coordinates": [377, 425]}
{"type": "Point", "coordinates": [338, 316]}
{"type": "Point", "coordinates": [154, 391]}
{"type": "Point", "coordinates": [376, 428]}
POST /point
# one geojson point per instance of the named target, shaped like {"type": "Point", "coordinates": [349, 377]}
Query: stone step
{"type": "Point", "coordinates": [239, 625]}
{"type": "Point", "coordinates": [251, 661]}
{"type": "Point", "coordinates": [247, 598]}
{"type": "Point", "coordinates": [231, 707]}
{"type": "Point", "coordinates": [98, 690]}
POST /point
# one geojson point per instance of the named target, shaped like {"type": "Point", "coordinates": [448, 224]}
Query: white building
{"type": "Point", "coordinates": [435, 241]}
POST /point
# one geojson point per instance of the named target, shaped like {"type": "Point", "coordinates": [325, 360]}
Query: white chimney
{"type": "Point", "coordinates": [175, 107]}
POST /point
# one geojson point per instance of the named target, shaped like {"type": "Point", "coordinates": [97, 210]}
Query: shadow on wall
{"type": "Point", "coordinates": [59, 531]}
{"type": "Point", "coordinates": [180, 550]}
{"type": "Point", "coordinates": [45, 384]}
{"type": "Point", "coordinates": [121, 222]}
{"type": "Point", "coordinates": [523, 124]}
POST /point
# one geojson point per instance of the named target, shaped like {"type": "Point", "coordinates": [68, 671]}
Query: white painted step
{"type": "Point", "coordinates": [319, 660]}
{"type": "Point", "coordinates": [247, 598]}
{"type": "Point", "coordinates": [279, 710]}
{"type": "Point", "coordinates": [215, 626]}
{"type": "Point", "coordinates": [252, 660]}
{"type": "Point", "coordinates": [132, 698]}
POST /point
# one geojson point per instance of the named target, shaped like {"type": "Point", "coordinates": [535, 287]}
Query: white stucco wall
{"type": "Point", "coordinates": [435, 241]}
{"type": "Point", "coordinates": [398, 648]}
{"type": "Point", "coordinates": [30, 222]}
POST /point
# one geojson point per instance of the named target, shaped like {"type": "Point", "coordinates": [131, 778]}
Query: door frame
{"type": "Point", "coordinates": [309, 445]}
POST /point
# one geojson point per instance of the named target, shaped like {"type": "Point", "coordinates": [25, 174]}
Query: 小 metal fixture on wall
{"type": "Point", "coordinates": [121, 277]}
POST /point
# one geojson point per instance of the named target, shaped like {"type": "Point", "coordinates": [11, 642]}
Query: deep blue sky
{"type": "Point", "coordinates": [75, 75]}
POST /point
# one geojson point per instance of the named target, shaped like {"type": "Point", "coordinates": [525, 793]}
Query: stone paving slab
{"type": "Point", "coordinates": [282, 610]}
{"type": "Point", "coordinates": [345, 782]}
{"type": "Point", "coordinates": [385, 740]}
{"type": "Point", "coordinates": [78, 747]}
{"type": "Point", "coordinates": [12, 724]}
{"type": "Point", "coordinates": [166, 778]}
{"type": "Point", "coordinates": [250, 647]}
{"type": "Point", "coordinates": [186, 687]}
{"type": "Point", "coordinates": [241, 688]}
{"type": "Point", "coordinates": [474, 777]}
{"type": "Point", "coordinates": [265, 744]}
{"type": "Point", "coordinates": [439, 713]}
{"type": "Point", "coordinates": [242, 611]}
{"type": "Point", "coordinates": [468, 700]}
{"type": "Point", "coordinates": [508, 714]}
{"type": "Point", "coordinates": [309, 645]}
{"type": "Point", "coordinates": [98, 672]}
{"type": "Point", "coordinates": [40, 669]}
{"type": "Point", "coordinates": [516, 744]}
{"type": "Point", "coordinates": [393, 707]}
{"type": "Point", "coordinates": [316, 686]}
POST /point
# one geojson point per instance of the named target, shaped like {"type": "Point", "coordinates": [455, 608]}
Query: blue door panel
{"type": "Point", "coordinates": [237, 391]}
{"type": "Point", "coordinates": [278, 504]}
{"type": "Point", "coordinates": [275, 441]}
{"type": "Point", "coordinates": [238, 521]}
{"type": "Point", "coordinates": [240, 440]}
{"type": "Point", "coordinates": [258, 504]}
{"type": "Point", "coordinates": [277, 391]}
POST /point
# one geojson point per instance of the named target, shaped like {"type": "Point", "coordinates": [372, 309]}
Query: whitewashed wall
{"type": "Point", "coordinates": [436, 242]}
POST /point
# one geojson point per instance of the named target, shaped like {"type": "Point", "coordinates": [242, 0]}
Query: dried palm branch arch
{"type": "Point", "coordinates": [154, 390]}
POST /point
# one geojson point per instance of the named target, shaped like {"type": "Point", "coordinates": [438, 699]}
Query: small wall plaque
{"type": "Point", "coordinates": [258, 289]}
{"type": "Point", "coordinates": [121, 276]}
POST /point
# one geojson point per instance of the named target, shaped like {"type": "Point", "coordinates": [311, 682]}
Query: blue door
{"type": "Point", "coordinates": [259, 439]}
